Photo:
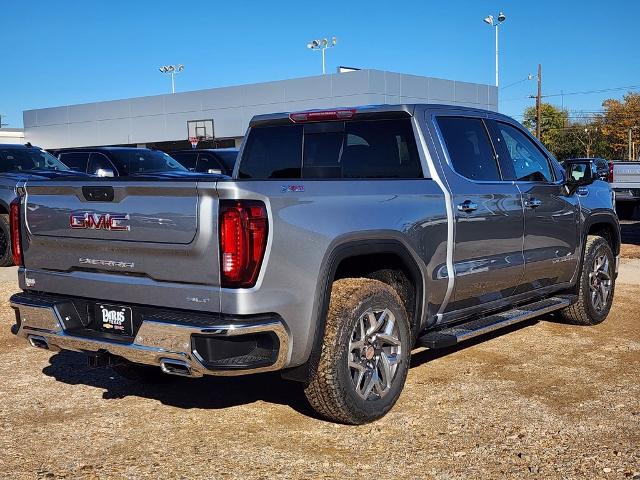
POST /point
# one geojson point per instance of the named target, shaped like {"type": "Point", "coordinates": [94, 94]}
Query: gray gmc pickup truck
{"type": "Point", "coordinates": [344, 239]}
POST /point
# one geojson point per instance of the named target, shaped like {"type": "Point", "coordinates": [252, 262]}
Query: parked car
{"type": "Point", "coordinates": [624, 178]}
{"type": "Point", "coordinates": [214, 160]}
{"type": "Point", "coordinates": [118, 161]}
{"type": "Point", "coordinates": [601, 166]}
{"type": "Point", "coordinates": [17, 164]}
{"type": "Point", "coordinates": [344, 239]}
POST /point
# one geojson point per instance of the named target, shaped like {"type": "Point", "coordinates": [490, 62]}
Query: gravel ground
{"type": "Point", "coordinates": [544, 400]}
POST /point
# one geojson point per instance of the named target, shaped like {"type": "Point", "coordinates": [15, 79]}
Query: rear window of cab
{"type": "Point", "coordinates": [332, 150]}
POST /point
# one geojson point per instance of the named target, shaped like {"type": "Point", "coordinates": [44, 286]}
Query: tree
{"type": "Point", "coordinates": [592, 135]}
{"type": "Point", "coordinates": [552, 121]}
{"type": "Point", "coordinates": [618, 119]}
{"type": "Point", "coordinates": [556, 131]}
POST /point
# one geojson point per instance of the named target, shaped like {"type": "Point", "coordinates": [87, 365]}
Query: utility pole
{"type": "Point", "coordinates": [539, 102]}
{"type": "Point", "coordinates": [630, 148]}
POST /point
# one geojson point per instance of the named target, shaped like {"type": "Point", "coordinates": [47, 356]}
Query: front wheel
{"type": "Point", "coordinates": [596, 287]}
{"type": "Point", "coordinates": [365, 353]}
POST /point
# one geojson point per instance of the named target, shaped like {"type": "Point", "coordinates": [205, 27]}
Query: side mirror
{"type": "Point", "coordinates": [579, 173]}
{"type": "Point", "coordinates": [214, 170]}
{"type": "Point", "coordinates": [104, 172]}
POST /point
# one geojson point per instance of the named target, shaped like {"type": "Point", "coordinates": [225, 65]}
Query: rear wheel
{"type": "Point", "coordinates": [365, 353]}
{"type": "Point", "coordinates": [6, 254]}
{"type": "Point", "coordinates": [597, 285]}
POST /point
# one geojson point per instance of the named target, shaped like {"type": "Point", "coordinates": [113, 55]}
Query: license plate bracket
{"type": "Point", "coordinates": [116, 319]}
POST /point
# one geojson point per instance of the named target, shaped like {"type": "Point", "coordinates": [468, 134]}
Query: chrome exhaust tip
{"type": "Point", "coordinates": [175, 367]}
{"type": "Point", "coordinates": [38, 342]}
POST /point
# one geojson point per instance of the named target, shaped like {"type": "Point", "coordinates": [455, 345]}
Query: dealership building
{"type": "Point", "coordinates": [162, 120]}
{"type": "Point", "coordinates": [11, 135]}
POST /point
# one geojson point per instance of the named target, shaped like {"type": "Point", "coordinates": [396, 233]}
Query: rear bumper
{"type": "Point", "coordinates": [627, 194]}
{"type": "Point", "coordinates": [40, 322]}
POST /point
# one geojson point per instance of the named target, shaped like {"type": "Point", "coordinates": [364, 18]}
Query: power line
{"type": "Point", "coordinates": [529, 77]}
{"type": "Point", "coordinates": [587, 92]}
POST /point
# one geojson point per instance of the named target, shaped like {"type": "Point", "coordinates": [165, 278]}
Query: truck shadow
{"type": "Point", "coordinates": [187, 393]}
{"type": "Point", "coordinates": [214, 393]}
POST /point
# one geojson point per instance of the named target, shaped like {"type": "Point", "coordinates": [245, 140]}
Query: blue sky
{"type": "Point", "coordinates": [64, 52]}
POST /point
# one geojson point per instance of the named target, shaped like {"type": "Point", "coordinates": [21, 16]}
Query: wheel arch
{"type": "Point", "coordinates": [341, 252]}
{"type": "Point", "coordinates": [605, 225]}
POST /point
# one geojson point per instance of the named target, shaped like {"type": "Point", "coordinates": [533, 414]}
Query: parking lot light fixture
{"type": "Point", "coordinates": [496, 22]}
{"type": "Point", "coordinates": [172, 70]}
{"type": "Point", "coordinates": [322, 45]}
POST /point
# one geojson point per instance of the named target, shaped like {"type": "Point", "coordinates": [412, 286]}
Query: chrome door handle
{"type": "Point", "coordinates": [467, 206]}
{"type": "Point", "coordinates": [533, 203]}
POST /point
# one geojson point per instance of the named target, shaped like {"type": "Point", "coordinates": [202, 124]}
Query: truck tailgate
{"type": "Point", "coordinates": [124, 235]}
{"type": "Point", "coordinates": [626, 175]}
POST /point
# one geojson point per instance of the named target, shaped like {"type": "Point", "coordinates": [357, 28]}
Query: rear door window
{"type": "Point", "coordinates": [469, 148]}
{"type": "Point", "coordinates": [141, 161]}
{"type": "Point", "coordinates": [186, 159]}
{"type": "Point", "coordinates": [98, 161]}
{"type": "Point", "coordinates": [207, 161]}
{"type": "Point", "coordinates": [75, 160]}
{"type": "Point", "coordinates": [332, 150]}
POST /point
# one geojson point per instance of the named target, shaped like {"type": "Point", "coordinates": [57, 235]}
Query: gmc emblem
{"type": "Point", "coordinates": [99, 221]}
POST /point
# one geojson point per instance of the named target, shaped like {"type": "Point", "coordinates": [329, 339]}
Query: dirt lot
{"type": "Point", "coordinates": [544, 400]}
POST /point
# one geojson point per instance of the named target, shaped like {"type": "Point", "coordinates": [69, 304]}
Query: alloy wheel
{"type": "Point", "coordinates": [374, 353]}
{"type": "Point", "coordinates": [600, 282]}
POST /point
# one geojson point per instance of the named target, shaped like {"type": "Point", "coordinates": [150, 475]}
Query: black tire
{"type": "Point", "coordinates": [144, 374]}
{"type": "Point", "coordinates": [6, 254]}
{"type": "Point", "coordinates": [583, 311]}
{"type": "Point", "coordinates": [332, 391]}
{"type": "Point", "coordinates": [625, 210]}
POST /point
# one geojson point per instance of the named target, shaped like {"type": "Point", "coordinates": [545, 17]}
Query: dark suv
{"type": "Point", "coordinates": [218, 160]}
{"type": "Point", "coordinates": [118, 161]}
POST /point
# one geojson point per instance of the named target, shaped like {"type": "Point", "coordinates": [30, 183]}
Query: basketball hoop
{"type": "Point", "coordinates": [199, 131]}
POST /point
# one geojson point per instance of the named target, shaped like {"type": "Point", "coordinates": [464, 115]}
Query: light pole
{"type": "Point", "coordinates": [172, 70]}
{"type": "Point", "coordinates": [496, 24]}
{"type": "Point", "coordinates": [322, 45]}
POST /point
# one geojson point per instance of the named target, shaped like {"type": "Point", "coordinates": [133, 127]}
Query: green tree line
{"type": "Point", "coordinates": [600, 134]}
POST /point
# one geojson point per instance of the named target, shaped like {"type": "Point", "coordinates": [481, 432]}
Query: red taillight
{"type": "Point", "coordinates": [243, 238]}
{"type": "Point", "coordinates": [14, 223]}
{"type": "Point", "coordinates": [610, 176]}
{"type": "Point", "coordinates": [322, 115]}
